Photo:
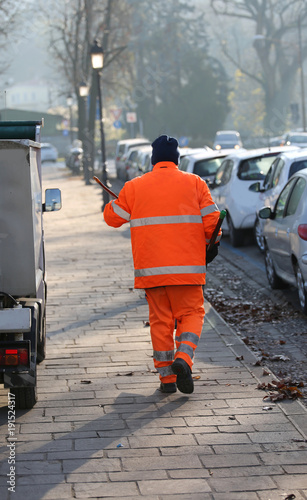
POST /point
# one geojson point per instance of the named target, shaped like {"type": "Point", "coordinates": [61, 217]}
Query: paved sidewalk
{"type": "Point", "coordinates": [101, 429]}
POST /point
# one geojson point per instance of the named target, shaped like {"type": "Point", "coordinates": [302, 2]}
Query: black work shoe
{"type": "Point", "coordinates": [184, 382]}
{"type": "Point", "coordinates": [168, 388]}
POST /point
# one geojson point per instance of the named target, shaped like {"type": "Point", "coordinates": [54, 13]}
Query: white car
{"type": "Point", "coordinates": [205, 163]}
{"type": "Point", "coordinates": [48, 152]}
{"type": "Point", "coordinates": [132, 161]}
{"type": "Point", "coordinates": [283, 167]}
{"type": "Point", "coordinates": [230, 190]}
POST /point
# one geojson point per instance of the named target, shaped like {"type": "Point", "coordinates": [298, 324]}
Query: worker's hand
{"type": "Point", "coordinates": [212, 253]}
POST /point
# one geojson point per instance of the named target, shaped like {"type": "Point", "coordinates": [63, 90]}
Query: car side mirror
{"type": "Point", "coordinates": [255, 187]}
{"type": "Point", "coordinates": [265, 213]}
{"type": "Point", "coordinates": [53, 200]}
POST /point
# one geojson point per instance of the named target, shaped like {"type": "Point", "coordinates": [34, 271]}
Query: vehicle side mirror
{"type": "Point", "coordinates": [265, 213]}
{"type": "Point", "coordinates": [53, 200]}
{"type": "Point", "coordinates": [255, 187]}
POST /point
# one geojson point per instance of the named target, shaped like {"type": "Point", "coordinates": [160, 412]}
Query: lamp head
{"type": "Point", "coordinates": [97, 55]}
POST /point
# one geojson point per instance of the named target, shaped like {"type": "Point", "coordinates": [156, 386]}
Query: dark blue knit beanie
{"type": "Point", "coordinates": [165, 148]}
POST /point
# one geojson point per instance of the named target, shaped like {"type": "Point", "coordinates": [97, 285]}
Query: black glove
{"type": "Point", "coordinates": [212, 253]}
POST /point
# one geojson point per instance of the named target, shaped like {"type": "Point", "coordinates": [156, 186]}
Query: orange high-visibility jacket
{"type": "Point", "coordinates": [172, 217]}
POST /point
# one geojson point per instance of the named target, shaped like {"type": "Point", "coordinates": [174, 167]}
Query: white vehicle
{"type": "Point", "coordinates": [205, 163]}
{"type": "Point", "coordinates": [230, 190]}
{"type": "Point", "coordinates": [23, 287]}
{"type": "Point", "coordinates": [122, 149]}
{"type": "Point", "coordinates": [227, 139]}
{"type": "Point", "coordinates": [48, 152]}
{"type": "Point", "coordinates": [282, 168]}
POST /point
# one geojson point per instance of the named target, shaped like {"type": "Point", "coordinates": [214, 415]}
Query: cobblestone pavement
{"type": "Point", "coordinates": [101, 429]}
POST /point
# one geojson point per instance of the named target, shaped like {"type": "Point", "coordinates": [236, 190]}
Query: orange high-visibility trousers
{"type": "Point", "coordinates": [184, 303]}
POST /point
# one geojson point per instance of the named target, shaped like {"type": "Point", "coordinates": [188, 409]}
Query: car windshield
{"type": "Point", "coordinates": [255, 168]}
{"type": "Point", "coordinates": [298, 138]}
{"type": "Point", "coordinates": [207, 167]}
{"type": "Point", "coordinates": [227, 137]}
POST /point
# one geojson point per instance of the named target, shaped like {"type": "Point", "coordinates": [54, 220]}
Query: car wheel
{"type": "Point", "coordinates": [235, 235]}
{"type": "Point", "coordinates": [302, 295]}
{"type": "Point", "coordinates": [258, 236]}
{"type": "Point", "coordinates": [274, 280]}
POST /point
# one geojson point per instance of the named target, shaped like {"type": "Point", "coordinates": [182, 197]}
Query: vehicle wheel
{"type": "Point", "coordinates": [25, 397]}
{"type": "Point", "coordinates": [302, 295]}
{"type": "Point", "coordinates": [258, 236]}
{"type": "Point", "coordinates": [274, 280]}
{"type": "Point", "coordinates": [235, 235]}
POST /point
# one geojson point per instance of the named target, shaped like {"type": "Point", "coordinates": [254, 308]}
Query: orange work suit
{"type": "Point", "coordinates": [185, 303]}
{"type": "Point", "coordinates": [172, 218]}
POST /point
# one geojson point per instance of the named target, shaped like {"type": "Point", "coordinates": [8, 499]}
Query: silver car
{"type": "Point", "coordinates": [285, 235]}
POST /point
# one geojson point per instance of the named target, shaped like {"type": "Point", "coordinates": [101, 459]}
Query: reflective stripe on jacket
{"type": "Point", "coordinates": [172, 217]}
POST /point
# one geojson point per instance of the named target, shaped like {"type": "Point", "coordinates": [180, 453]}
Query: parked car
{"type": "Point", "coordinates": [227, 139]}
{"type": "Point", "coordinates": [204, 164]}
{"type": "Point", "coordinates": [132, 161]}
{"type": "Point", "coordinates": [283, 167]}
{"type": "Point", "coordinates": [191, 151]}
{"type": "Point", "coordinates": [122, 149]}
{"type": "Point", "coordinates": [144, 159]}
{"type": "Point", "coordinates": [230, 189]}
{"type": "Point", "coordinates": [48, 152]}
{"type": "Point", "coordinates": [285, 235]}
{"type": "Point", "coordinates": [145, 156]}
{"type": "Point", "coordinates": [295, 139]}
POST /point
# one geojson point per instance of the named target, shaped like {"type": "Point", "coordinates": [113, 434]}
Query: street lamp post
{"type": "Point", "coordinates": [83, 92]}
{"type": "Point", "coordinates": [301, 73]}
{"type": "Point", "coordinates": [69, 102]}
{"type": "Point", "coordinates": [97, 65]}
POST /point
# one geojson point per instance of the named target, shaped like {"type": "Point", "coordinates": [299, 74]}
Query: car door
{"type": "Point", "coordinates": [276, 231]}
{"type": "Point", "coordinates": [275, 185]}
{"type": "Point", "coordinates": [289, 224]}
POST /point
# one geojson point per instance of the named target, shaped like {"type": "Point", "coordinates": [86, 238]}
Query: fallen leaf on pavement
{"type": "Point", "coordinates": [285, 389]}
{"type": "Point", "coordinates": [279, 357]}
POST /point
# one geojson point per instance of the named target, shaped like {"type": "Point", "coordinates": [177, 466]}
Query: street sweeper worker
{"type": "Point", "coordinates": [172, 218]}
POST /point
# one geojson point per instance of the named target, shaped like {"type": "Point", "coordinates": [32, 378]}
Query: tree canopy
{"type": "Point", "coordinates": [274, 27]}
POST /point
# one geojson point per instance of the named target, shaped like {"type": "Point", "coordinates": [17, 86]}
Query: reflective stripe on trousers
{"type": "Point", "coordinates": [184, 303]}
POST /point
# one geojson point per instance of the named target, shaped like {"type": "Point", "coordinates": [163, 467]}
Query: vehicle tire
{"type": "Point", "coordinates": [25, 397]}
{"type": "Point", "coordinates": [259, 236]}
{"type": "Point", "coordinates": [235, 235]}
{"type": "Point", "coordinates": [41, 344]}
{"type": "Point", "coordinates": [274, 280]}
{"type": "Point", "coordinates": [302, 295]}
